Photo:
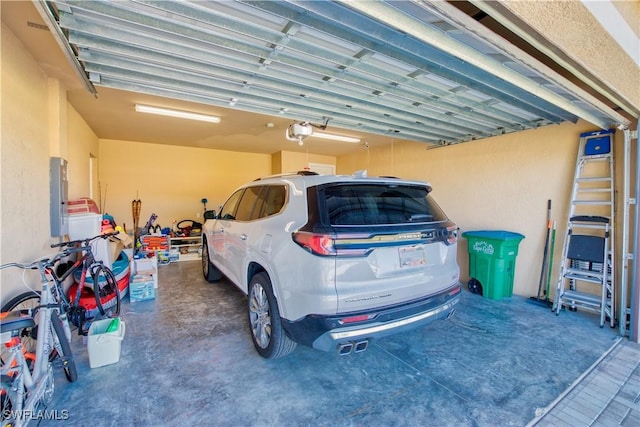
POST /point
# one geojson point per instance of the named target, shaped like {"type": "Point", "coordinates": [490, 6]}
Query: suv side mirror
{"type": "Point", "coordinates": [210, 214]}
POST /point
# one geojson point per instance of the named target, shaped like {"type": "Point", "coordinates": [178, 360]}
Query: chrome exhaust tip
{"type": "Point", "coordinates": [451, 313]}
{"type": "Point", "coordinates": [361, 346]}
{"type": "Point", "coordinates": [345, 349]}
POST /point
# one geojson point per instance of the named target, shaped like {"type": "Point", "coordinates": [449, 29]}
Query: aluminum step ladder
{"type": "Point", "coordinates": [586, 278]}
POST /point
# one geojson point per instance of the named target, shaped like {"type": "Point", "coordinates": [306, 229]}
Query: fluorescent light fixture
{"type": "Point", "coordinates": [177, 113]}
{"type": "Point", "coordinates": [335, 137]}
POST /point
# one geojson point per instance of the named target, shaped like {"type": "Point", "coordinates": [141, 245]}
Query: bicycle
{"type": "Point", "coordinates": [92, 272]}
{"type": "Point", "coordinates": [27, 376]}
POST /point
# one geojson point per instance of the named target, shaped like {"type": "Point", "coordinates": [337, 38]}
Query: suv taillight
{"type": "Point", "coordinates": [317, 244]}
{"type": "Point", "coordinates": [452, 235]}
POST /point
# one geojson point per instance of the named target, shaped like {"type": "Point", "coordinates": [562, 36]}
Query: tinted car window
{"type": "Point", "coordinates": [371, 204]}
{"type": "Point", "coordinates": [274, 200]}
{"type": "Point", "coordinates": [248, 201]}
{"type": "Point", "coordinates": [228, 211]}
{"type": "Point", "coordinates": [258, 208]}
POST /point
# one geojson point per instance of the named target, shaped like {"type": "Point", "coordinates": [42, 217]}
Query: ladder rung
{"type": "Point", "coordinates": [594, 190]}
{"type": "Point", "coordinates": [594, 179]}
{"type": "Point", "coordinates": [592, 202]}
{"type": "Point", "coordinates": [590, 226]}
{"type": "Point", "coordinates": [595, 157]}
{"type": "Point", "coordinates": [577, 275]}
{"type": "Point", "coordinates": [581, 297]}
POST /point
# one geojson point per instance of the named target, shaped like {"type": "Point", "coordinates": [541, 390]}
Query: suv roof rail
{"type": "Point", "coordinates": [301, 173]}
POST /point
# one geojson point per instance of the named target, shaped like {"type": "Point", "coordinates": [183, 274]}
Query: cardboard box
{"type": "Point", "coordinates": [123, 238]}
{"type": "Point", "coordinates": [145, 267]}
{"type": "Point", "coordinates": [114, 250]}
{"type": "Point", "coordinates": [102, 251]}
{"type": "Point", "coordinates": [142, 288]}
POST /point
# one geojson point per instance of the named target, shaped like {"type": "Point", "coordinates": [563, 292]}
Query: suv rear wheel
{"type": "Point", "coordinates": [267, 333]}
{"type": "Point", "coordinates": [209, 271]}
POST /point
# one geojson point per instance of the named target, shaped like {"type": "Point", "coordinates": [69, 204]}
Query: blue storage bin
{"type": "Point", "coordinates": [598, 142]}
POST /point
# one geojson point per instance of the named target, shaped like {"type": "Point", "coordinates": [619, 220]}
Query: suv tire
{"type": "Point", "coordinates": [268, 335]}
{"type": "Point", "coordinates": [209, 271]}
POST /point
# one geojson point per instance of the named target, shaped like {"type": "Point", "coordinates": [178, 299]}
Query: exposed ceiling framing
{"type": "Point", "coordinates": [413, 70]}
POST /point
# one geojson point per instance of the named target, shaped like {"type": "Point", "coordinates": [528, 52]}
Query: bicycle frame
{"type": "Point", "coordinates": [38, 381]}
{"type": "Point", "coordinates": [45, 338]}
{"type": "Point", "coordinates": [85, 261]}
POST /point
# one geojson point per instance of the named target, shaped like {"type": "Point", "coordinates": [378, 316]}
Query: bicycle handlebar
{"type": "Point", "coordinates": [78, 249]}
{"type": "Point", "coordinates": [85, 241]}
{"type": "Point", "coordinates": [46, 262]}
{"type": "Point", "coordinates": [69, 248]}
{"type": "Point", "coordinates": [30, 266]}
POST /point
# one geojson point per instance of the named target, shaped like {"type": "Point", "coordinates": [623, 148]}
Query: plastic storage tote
{"type": "Point", "coordinates": [104, 341]}
{"type": "Point", "coordinates": [492, 260]}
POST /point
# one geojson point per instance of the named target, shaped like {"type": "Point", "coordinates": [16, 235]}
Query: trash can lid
{"type": "Point", "coordinates": [494, 234]}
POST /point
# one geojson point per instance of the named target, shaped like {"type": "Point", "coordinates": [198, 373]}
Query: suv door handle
{"type": "Point", "coordinates": [243, 236]}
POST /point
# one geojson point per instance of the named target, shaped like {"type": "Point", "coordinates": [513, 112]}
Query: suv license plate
{"type": "Point", "coordinates": [411, 256]}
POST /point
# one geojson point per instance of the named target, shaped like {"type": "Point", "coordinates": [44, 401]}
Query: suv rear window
{"type": "Point", "coordinates": [380, 204]}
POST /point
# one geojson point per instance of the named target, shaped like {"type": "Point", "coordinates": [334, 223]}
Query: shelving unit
{"type": "Point", "coordinates": [188, 247]}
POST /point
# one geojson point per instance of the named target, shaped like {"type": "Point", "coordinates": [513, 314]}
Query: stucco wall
{"type": "Point", "coordinates": [83, 144]}
{"type": "Point", "coordinates": [24, 163]}
{"type": "Point", "coordinates": [572, 29]}
{"type": "Point", "coordinates": [630, 11]}
{"type": "Point", "coordinates": [36, 123]}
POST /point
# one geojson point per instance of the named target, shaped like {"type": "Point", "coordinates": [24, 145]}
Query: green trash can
{"type": "Point", "coordinates": [492, 260]}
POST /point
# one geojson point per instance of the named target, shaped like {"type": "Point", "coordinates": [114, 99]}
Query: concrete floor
{"type": "Point", "coordinates": [187, 359]}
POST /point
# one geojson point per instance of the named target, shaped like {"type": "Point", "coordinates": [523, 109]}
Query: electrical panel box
{"type": "Point", "coordinates": [59, 188]}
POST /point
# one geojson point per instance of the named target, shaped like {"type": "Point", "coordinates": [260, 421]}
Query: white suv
{"type": "Point", "coordinates": [333, 261]}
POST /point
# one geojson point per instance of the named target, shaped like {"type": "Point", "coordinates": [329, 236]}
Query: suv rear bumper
{"type": "Point", "coordinates": [328, 332]}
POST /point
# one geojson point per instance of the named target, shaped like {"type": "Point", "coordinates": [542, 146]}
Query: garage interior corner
{"type": "Point", "coordinates": [505, 362]}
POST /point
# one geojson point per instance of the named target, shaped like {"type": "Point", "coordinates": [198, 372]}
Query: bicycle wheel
{"type": "Point", "coordinates": [106, 291]}
{"type": "Point", "coordinates": [62, 348]}
{"type": "Point", "coordinates": [8, 401]}
{"type": "Point", "coordinates": [28, 303]}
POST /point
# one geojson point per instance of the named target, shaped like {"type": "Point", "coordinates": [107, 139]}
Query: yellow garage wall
{"type": "Point", "coordinates": [24, 162]}
{"type": "Point", "coordinates": [36, 123]}
{"type": "Point", "coordinates": [496, 183]}
{"type": "Point", "coordinates": [83, 144]}
{"type": "Point", "coordinates": [289, 161]}
{"type": "Point", "coordinates": [171, 181]}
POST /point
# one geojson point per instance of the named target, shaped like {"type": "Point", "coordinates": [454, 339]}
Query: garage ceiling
{"type": "Point", "coordinates": [410, 70]}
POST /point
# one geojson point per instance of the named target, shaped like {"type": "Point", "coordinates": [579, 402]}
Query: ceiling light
{"type": "Point", "coordinates": [334, 137]}
{"type": "Point", "coordinates": [177, 113]}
